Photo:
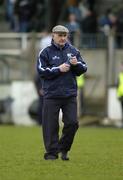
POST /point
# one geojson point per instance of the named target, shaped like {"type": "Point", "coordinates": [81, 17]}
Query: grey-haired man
{"type": "Point", "coordinates": [58, 65]}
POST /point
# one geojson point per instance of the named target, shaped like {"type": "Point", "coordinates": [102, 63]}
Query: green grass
{"type": "Point", "coordinates": [97, 154]}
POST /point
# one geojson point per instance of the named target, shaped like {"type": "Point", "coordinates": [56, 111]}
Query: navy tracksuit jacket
{"type": "Point", "coordinates": [55, 83]}
{"type": "Point", "coordinates": [60, 91]}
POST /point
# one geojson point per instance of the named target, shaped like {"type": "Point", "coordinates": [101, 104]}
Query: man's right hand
{"type": "Point", "coordinates": [64, 67]}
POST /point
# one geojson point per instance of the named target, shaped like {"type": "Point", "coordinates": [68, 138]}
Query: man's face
{"type": "Point", "coordinates": [60, 38]}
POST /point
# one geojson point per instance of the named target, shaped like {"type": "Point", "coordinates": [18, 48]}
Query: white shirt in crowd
{"type": "Point", "coordinates": [45, 41]}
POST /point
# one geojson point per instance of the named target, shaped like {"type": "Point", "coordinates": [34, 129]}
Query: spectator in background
{"type": "Point", "coordinates": [89, 23]}
{"type": "Point", "coordinates": [107, 22]}
{"type": "Point", "coordinates": [45, 40]}
{"type": "Point", "coordinates": [1, 2]}
{"type": "Point", "coordinates": [91, 4]}
{"type": "Point", "coordinates": [83, 9]}
{"type": "Point", "coordinates": [89, 28]}
{"type": "Point", "coordinates": [38, 85]}
{"type": "Point", "coordinates": [24, 11]}
{"type": "Point", "coordinates": [120, 89]}
{"type": "Point", "coordinates": [38, 19]}
{"type": "Point", "coordinates": [80, 100]}
{"type": "Point", "coordinates": [74, 28]}
{"type": "Point", "coordinates": [10, 13]}
{"type": "Point", "coordinates": [74, 9]}
{"type": "Point", "coordinates": [119, 29]}
{"type": "Point", "coordinates": [35, 108]}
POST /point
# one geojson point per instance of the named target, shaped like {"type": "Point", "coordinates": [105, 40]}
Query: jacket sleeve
{"type": "Point", "coordinates": [44, 69]}
{"type": "Point", "coordinates": [81, 66]}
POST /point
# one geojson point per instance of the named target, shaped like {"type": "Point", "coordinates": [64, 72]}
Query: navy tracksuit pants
{"type": "Point", "coordinates": [50, 124]}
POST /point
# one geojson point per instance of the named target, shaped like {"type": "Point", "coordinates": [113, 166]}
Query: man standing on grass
{"type": "Point", "coordinates": [58, 65]}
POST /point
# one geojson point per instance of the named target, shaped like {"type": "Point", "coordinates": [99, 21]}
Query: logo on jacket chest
{"type": "Point", "coordinates": [55, 57]}
{"type": "Point", "coordinates": [69, 55]}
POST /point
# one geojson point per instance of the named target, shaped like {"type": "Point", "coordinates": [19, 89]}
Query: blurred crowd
{"type": "Point", "coordinates": [80, 17]}
{"type": "Point", "coordinates": [24, 15]}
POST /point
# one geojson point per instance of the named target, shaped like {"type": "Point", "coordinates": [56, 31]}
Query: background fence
{"type": "Point", "coordinates": [18, 54]}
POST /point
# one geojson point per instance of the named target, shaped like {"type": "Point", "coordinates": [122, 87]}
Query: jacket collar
{"type": "Point", "coordinates": [58, 47]}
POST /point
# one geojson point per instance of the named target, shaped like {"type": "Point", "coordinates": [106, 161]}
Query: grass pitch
{"type": "Point", "coordinates": [97, 154]}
